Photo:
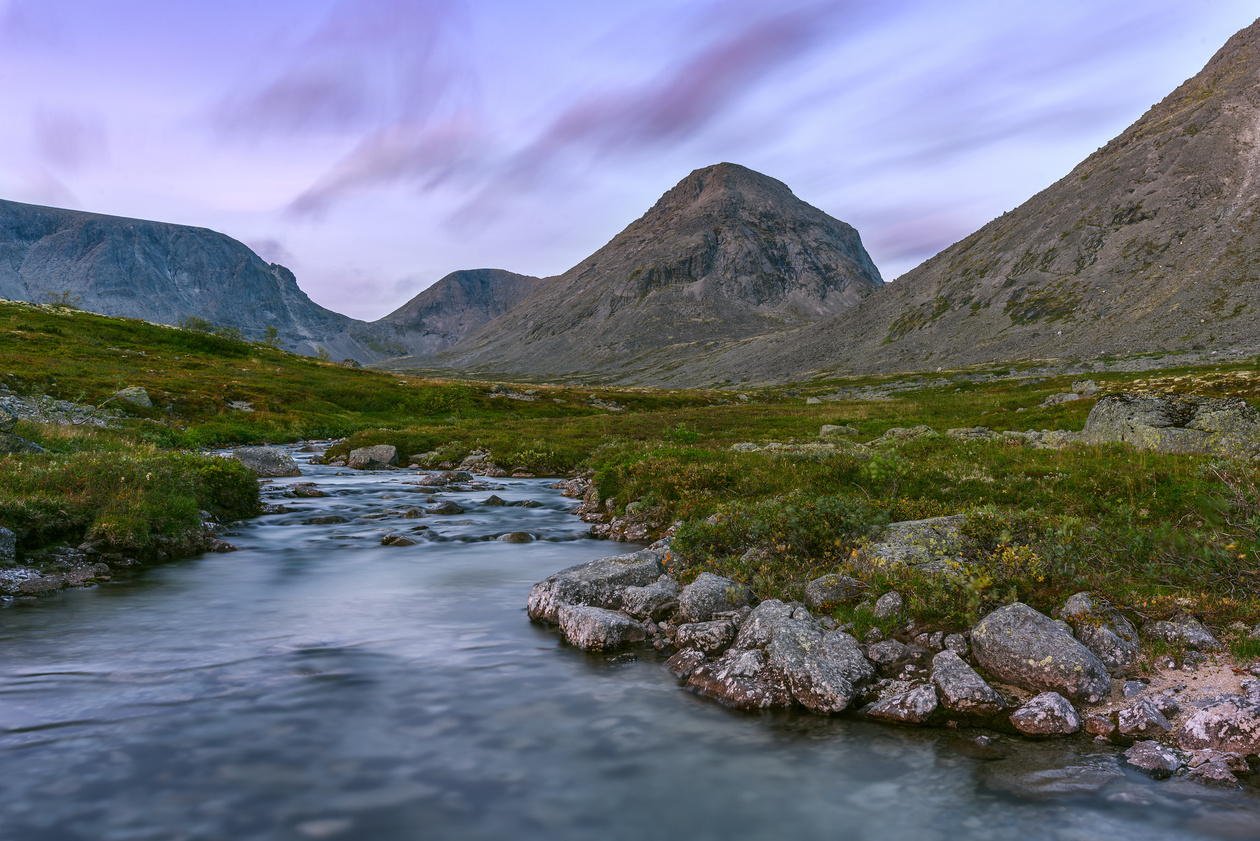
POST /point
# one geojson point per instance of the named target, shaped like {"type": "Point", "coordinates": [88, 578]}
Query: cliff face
{"type": "Point", "coordinates": [727, 253]}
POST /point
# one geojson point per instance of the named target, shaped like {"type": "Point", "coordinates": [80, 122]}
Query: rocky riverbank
{"type": "Point", "coordinates": [1016, 671]}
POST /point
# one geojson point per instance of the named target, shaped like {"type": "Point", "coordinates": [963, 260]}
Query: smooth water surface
{"type": "Point", "coordinates": [317, 684]}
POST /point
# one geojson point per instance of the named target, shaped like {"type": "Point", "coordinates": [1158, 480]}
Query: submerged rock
{"type": "Point", "coordinates": [267, 462]}
{"type": "Point", "coordinates": [1019, 646]}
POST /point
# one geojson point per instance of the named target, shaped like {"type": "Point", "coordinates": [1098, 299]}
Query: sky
{"type": "Point", "coordinates": [373, 146]}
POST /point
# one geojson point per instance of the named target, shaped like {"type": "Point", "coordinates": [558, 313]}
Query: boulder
{"type": "Point", "coordinates": [1176, 423]}
{"type": "Point", "coordinates": [889, 606]}
{"type": "Point", "coordinates": [599, 583]}
{"type": "Point", "coordinates": [8, 419]}
{"type": "Point", "coordinates": [709, 637]}
{"type": "Point", "coordinates": [655, 601]}
{"type": "Point", "coordinates": [1143, 719]}
{"type": "Point", "coordinates": [1231, 724]}
{"type": "Point", "coordinates": [8, 546]}
{"type": "Point", "coordinates": [267, 462]}
{"type": "Point", "coordinates": [971, 433]}
{"type": "Point", "coordinates": [1019, 646]}
{"type": "Point", "coordinates": [830, 591]}
{"type": "Point", "coordinates": [447, 506]}
{"type": "Point", "coordinates": [378, 457]}
{"type": "Point", "coordinates": [397, 540]}
{"type": "Point", "coordinates": [830, 430]}
{"type": "Point", "coordinates": [516, 537]}
{"type": "Point", "coordinates": [494, 501]}
{"type": "Point", "coordinates": [1103, 630]}
{"type": "Point", "coordinates": [1100, 725]}
{"type": "Point", "coordinates": [686, 661]}
{"type": "Point", "coordinates": [1184, 631]}
{"type": "Point", "coordinates": [913, 707]}
{"type": "Point", "coordinates": [901, 433]}
{"type": "Point", "coordinates": [961, 689]}
{"type": "Point", "coordinates": [824, 671]}
{"type": "Point", "coordinates": [597, 629]}
{"type": "Point", "coordinates": [136, 396]}
{"type": "Point", "coordinates": [742, 679]}
{"type": "Point", "coordinates": [306, 490]}
{"type": "Point", "coordinates": [710, 594]}
{"type": "Point", "coordinates": [1153, 758]}
{"type": "Point", "coordinates": [928, 544]}
{"type": "Point", "coordinates": [1049, 714]}
{"type": "Point", "coordinates": [888, 656]}
{"type": "Point", "coordinates": [765, 619]}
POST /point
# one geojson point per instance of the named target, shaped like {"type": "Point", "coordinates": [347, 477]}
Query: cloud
{"type": "Point", "coordinates": [29, 23]}
{"type": "Point", "coordinates": [272, 250]}
{"type": "Point", "coordinates": [67, 141]}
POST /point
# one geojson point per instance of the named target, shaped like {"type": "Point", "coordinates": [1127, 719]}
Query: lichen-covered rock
{"type": "Point", "coordinates": [1100, 725]}
{"type": "Point", "coordinates": [267, 462]}
{"type": "Point", "coordinates": [709, 637]}
{"type": "Point", "coordinates": [971, 433]}
{"type": "Point", "coordinates": [1017, 645]}
{"type": "Point", "coordinates": [686, 661]}
{"type": "Point", "coordinates": [830, 430]}
{"type": "Point", "coordinates": [8, 419]}
{"type": "Point", "coordinates": [888, 606]}
{"type": "Point", "coordinates": [927, 544]}
{"type": "Point", "coordinates": [597, 629]}
{"type": "Point", "coordinates": [961, 689]}
{"type": "Point", "coordinates": [710, 594]}
{"type": "Point", "coordinates": [742, 679]}
{"type": "Point", "coordinates": [1153, 758]}
{"type": "Point", "coordinates": [136, 396]}
{"type": "Point", "coordinates": [913, 707]}
{"type": "Point", "coordinates": [1231, 724]}
{"type": "Point", "coordinates": [1143, 719]}
{"type": "Point", "coordinates": [901, 433]}
{"type": "Point", "coordinates": [1176, 423]}
{"type": "Point", "coordinates": [887, 655]}
{"type": "Point", "coordinates": [8, 545]}
{"type": "Point", "coordinates": [957, 643]}
{"type": "Point", "coordinates": [824, 671]}
{"type": "Point", "coordinates": [1103, 630]}
{"type": "Point", "coordinates": [1185, 631]}
{"type": "Point", "coordinates": [1048, 714]}
{"type": "Point", "coordinates": [377, 457]}
{"type": "Point", "coordinates": [654, 601]}
{"type": "Point", "coordinates": [759, 626]}
{"type": "Point", "coordinates": [831, 591]}
{"type": "Point", "coordinates": [599, 583]}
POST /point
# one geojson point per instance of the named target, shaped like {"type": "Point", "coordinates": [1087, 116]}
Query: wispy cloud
{"type": "Point", "coordinates": [69, 141]}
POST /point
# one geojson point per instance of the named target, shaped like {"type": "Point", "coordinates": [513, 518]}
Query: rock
{"type": "Point", "coordinates": [306, 490]}
{"type": "Point", "coordinates": [494, 501]}
{"type": "Point", "coordinates": [597, 629]}
{"type": "Point", "coordinates": [899, 433]}
{"type": "Point", "coordinates": [8, 419]}
{"type": "Point", "coordinates": [1085, 388]}
{"type": "Point", "coordinates": [447, 506]}
{"type": "Point", "coordinates": [1048, 714]}
{"type": "Point", "coordinates": [598, 582]}
{"type": "Point", "coordinates": [830, 430]}
{"type": "Point", "coordinates": [12, 444]}
{"type": "Point", "coordinates": [1143, 719]}
{"type": "Point", "coordinates": [710, 594]}
{"type": "Point", "coordinates": [1020, 646]}
{"type": "Point", "coordinates": [872, 636]}
{"type": "Point", "coordinates": [267, 462]}
{"type": "Point", "coordinates": [1153, 758]}
{"type": "Point", "coordinates": [889, 606]}
{"type": "Point", "coordinates": [378, 457]}
{"type": "Point", "coordinates": [1167, 705]}
{"type": "Point", "coordinates": [136, 396]}
{"type": "Point", "coordinates": [1100, 725]}
{"type": "Point", "coordinates": [709, 637]}
{"type": "Point", "coordinates": [1132, 688]}
{"type": "Point", "coordinates": [1056, 399]}
{"type": "Point", "coordinates": [516, 537]}
{"type": "Point", "coordinates": [1184, 631]}
{"type": "Point", "coordinates": [971, 433]}
{"type": "Point", "coordinates": [824, 671]}
{"type": "Point", "coordinates": [961, 689]}
{"type": "Point", "coordinates": [759, 626]}
{"type": "Point", "coordinates": [397, 540]}
{"type": "Point", "coordinates": [830, 591]}
{"type": "Point", "coordinates": [1214, 773]}
{"type": "Point", "coordinates": [913, 707]}
{"type": "Point", "coordinates": [1230, 724]}
{"type": "Point", "coordinates": [1104, 631]}
{"type": "Point", "coordinates": [887, 655]}
{"type": "Point", "coordinates": [812, 401]}
{"type": "Point", "coordinates": [742, 679]}
{"type": "Point", "coordinates": [8, 546]}
{"type": "Point", "coordinates": [957, 643]}
{"type": "Point", "coordinates": [1176, 423]}
{"type": "Point", "coordinates": [1233, 762]}
{"type": "Point", "coordinates": [928, 544]}
{"type": "Point", "coordinates": [682, 664]}
{"type": "Point", "coordinates": [654, 601]}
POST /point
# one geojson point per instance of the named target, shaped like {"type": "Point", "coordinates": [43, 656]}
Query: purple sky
{"type": "Point", "coordinates": [375, 145]}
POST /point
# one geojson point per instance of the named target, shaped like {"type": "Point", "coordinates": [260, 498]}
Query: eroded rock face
{"type": "Point", "coordinates": [1184, 630]}
{"type": "Point", "coordinates": [913, 707]}
{"type": "Point", "coordinates": [742, 679]}
{"type": "Point", "coordinates": [597, 629]}
{"type": "Point", "coordinates": [961, 689]}
{"type": "Point", "coordinates": [378, 457]}
{"type": "Point", "coordinates": [1103, 630]}
{"type": "Point", "coordinates": [710, 594]}
{"type": "Point", "coordinates": [830, 591]}
{"type": "Point", "coordinates": [1153, 758]}
{"type": "Point", "coordinates": [1047, 715]}
{"type": "Point", "coordinates": [1176, 423]}
{"type": "Point", "coordinates": [1019, 646]}
{"type": "Point", "coordinates": [267, 462]}
{"type": "Point", "coordinates": [1232, 725]}
{"type": "Point", "coordinates": [599, 583]}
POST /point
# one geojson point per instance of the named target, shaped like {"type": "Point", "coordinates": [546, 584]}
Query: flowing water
{"type": "Point", "coordinates": [317, 684]}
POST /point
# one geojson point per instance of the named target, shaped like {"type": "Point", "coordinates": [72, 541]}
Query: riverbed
{"type": "Point", "coordinates": [316, 684]}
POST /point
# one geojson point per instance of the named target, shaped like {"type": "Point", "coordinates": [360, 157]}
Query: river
{"type": "Point", "coordinates": [316, 684]}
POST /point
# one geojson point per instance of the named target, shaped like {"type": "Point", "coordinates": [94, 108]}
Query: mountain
{"type": "Point", "coordinates": [162, 273]}
{"type": "Point", "coordinates": [727, 253]}
{"type": "Point", "coordinates": [1150, 244]}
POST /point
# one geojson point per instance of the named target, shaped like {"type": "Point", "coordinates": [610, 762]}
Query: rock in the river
{"type": "Point", "coordinates": [961, 689]}
{"type": "Point", "coordinates": [1020, 646]}
{"type": "Point", "coordinates": [889, 606]}
{"type": "Point", "coordinates": [1217, 767]}
{"type": "Point", "coordinates": [654, 601]}
{"type": "Point", "coordinates": [1143, 719]}
{"type": "Point", "coordinates": [1048, 714]}
{"type": "Point", "coordinates": [306, 490]}
{"type": "Point", "coordinates": [1176, 423]}
{"type": "Point", "coordinates": [1103, 630]}
{"type": "Point", "coordinates": [597, 629]}
{"type": "Point", "coordinates": [516, 537]}
{"type": "Point", "coordinates": [710, 594]}
{"type": "Point", "coordinates": [1153, 758]}
{"type": "Point", "coordinates": [447, 506]}
{"type": "Point", "coordinates": [913, 707]}
{"type": "Point", "coordinates": [708, 637]}
{"type": "Point", "coordinates": [686, 661]}
{"type": "Point", "coordinates": [8, 545]}
{"type": "Point", "coordinates": [378, 457]}
{"type": "Point", "coordinates": [742, 679]}
{"type": "Point", "coordinates": [831, 591]}
{"type": "Point", "coordinates": [267, 462]}
{"type": "Point", "coordinates": [397, 540]}
{"type": "Point", "coordinates": [1183, 630]}
{"type": "Point", "coordinates": [767, 617]}
{"type": "Point", "coordinates": [599, 583]}
{"type": "Point", "coordinates": [824, 670]}
{"type": "Point", "coordinates": [136, 396]}
{"type": "Point", "coordinates": [1231, 724]}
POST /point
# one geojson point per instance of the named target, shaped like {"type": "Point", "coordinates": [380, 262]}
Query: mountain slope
{"type": "Point", "coordinates": [727, 253]}
{"type": "Point", "coordinates": [1150, 244]}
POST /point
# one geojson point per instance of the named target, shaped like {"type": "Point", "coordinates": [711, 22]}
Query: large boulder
{"type": "Point", "coordinates": [1047, 715]}
{"type": "Point", "coordinates": [913, 707]}
{"type": "Point", "coordinates": [597, 629]}
{"type": "Point", "coordinates": [599, 583]}
{"type": "Point", "coordinates": [760, 625]}
{"type": "Point", "coordinates": [825, 671]}
{"type": "Point", "coordinates": [1176, 423]}
{"type": "Point", "coordinates": [1184, 631]}
{"type": "Point", "coordinates": [831, 591]}
{"type": "Point", "coordinates": [377, 457]}
{"type": "Point", "coordinates": [710, 594]}
{"type": "Point", "coordinates": [742, 679]}
{"type": "Point", "coordinates": [961, 689]}
{"type": "Point", "coordinates": [267, 462]}
{"type": "Point", "coordinates": [1017, 645]}
{"type": "Point", "coordinates": [136, 396]}
{"type": "Point", "coordinates": [1230, 724]}
{"type": "Point", "coordinates": [927, 544]}
{"type": "Point", "coordinates": [1103, 630]}
{"type": "Point", "coordinates": [654, 601]}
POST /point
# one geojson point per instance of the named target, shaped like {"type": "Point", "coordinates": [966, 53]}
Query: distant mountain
{"type": "Point", "coordinates": [162, 273]}
{"type": "Point", "coordinates": [1151, 244]}
{"type": "Point", "coordinates": [727, 253]}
